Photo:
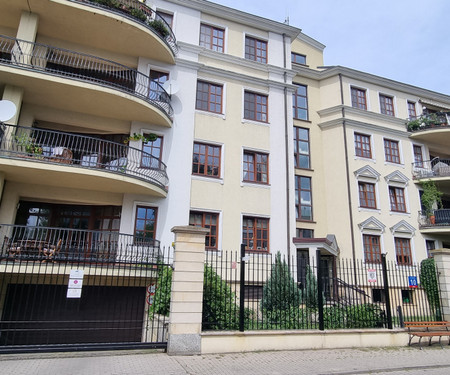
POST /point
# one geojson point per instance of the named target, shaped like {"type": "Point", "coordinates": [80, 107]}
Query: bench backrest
{"type": "Point", "coordinates": [428, 326]}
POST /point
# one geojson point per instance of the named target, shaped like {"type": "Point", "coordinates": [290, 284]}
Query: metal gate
{"type": "Point", "coordinates": [59, 295]}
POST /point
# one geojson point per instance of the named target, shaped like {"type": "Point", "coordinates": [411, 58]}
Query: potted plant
{"type": "Point", "coordinates": [159, 27]}
{"type": "Point", "coordinates": [28, 144]}
{"type": "Point", "coordinates": [431, 198]}
{"type": "Point", "coordinates": [140, 137]}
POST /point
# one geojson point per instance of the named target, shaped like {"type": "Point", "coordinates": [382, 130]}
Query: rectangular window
{"type": "Point", "coordinates": [412, 110]}
{"type": "Point", "coordinates": [157, 80]}
{"type": "Point", "coordinates": [387, 105]}
{"type": "Point", "coordinates": [206, 220]}
{"type": "Point", "coordinates": [255, 233]}
{"type": "Point", "coordinates": [304, 233]}
{"type": "Point", "coordinates": [253, 292]}
{"type": "Point", "coordinates": [145, 224]}
{"type": "Point", "coordinates": [301, 148]}
{"type": "Point", "coordinates": [397, 199]}
{"type": "Point", "coordinates": [362, 146]}
{"type": "Point", "coordinates": [298, 58]}
{"type": "Point", "coordinates": [372, 248]}
{"type": "Point", "coordinates": [255, 106]}
{"type": "Point", "coordinates": [212, 37]}
{"type": "Point", "coordinates": [153, 148]}
{"type": "Point", "coordinates": [391, 151]}
{"type": "Point", "coordinates": [256, 167]}
{"type": "Point", "coordinates": [303, 198]}
{"type": "Point", "coordinates": [209, 97]}
{"type": "Point", "coordinates": [256, 49]}
{"type": "Point", "coordinates": [300, 103]}
{"type": "Point", "coordinates": [407, 296]}
{"type": "Point", "coordinates": [403, 251]}
{"type": "Point", "coordinates": [418, 156]}
{"type": "Point", "coordinates": [206, 160]}
{"type": "Point", "coordinates": [367, 195]}
{"type": "Point", "coordinates": [359, 98]}
{"type": "Point", "coordinates": [430, 245]}
{"type": "Point", "coordinates": [166, 17]}
{"type": "Point", "coordinates": [378, 296]}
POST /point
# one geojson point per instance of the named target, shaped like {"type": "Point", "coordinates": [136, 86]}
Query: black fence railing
{"type": "Point", "coordinates": [439, 218]}
{"type": "Point", "coordinates": [436, 167]}
{"type": "Point", "coordinates": [320, 292]}
{"type": "Point", "coordinates": [80, 66]}
{"type": "Point", "coordinates": [49, 146]}
{"type": "Point", "coordinates": [428, 121]}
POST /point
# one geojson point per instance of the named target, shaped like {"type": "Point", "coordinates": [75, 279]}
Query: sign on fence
{"type": "Point", "coordinates": [372, 276]}
{"type": "Point", "coordinates": [412, 281]}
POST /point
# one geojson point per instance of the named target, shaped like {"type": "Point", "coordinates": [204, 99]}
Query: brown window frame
{"type": "Point", "coordinates": [256, 49]}
{"type": "Point", "coordinates": [359, 99]}
{"type": "Point", "coordinates": [252, 167]}
{"type": "Point", "coordinates": [210, 100]}
{"type": "Point", "coordinates": [367, 198]}
{"type": "Point", "coordinates": [299, 191]}
{"type": "Point", "coordinates": [149, 147]}
{"type": "Point", "coordinates": [212, 238]}
{"type": "Point", "coordinates": [215, 35]}
{"type": "Point", "coordinates": [297, 97]}
{"type": "Point", "coordinates": [246, 239]}
{"type": "Point", "coordinates": [214, 167]}
{"type": "Point", "coordinates": [256, 106]}
{"type": "Point", "coordinates": [157, 79]}
{"type": "Point", "coordinates": [145, 220]}
{"type": "Point", "coordinates": [300, 155]}
{"type": "Point", "coordinates": [387, 105]}
{"type": "Point", "coordinates": [372, 250]}
{"type": "Point", "coordinates": [412, 113]}
{"type": "Point", "coordinates": [166, 17]}
{"type": "Point", "coordinates": [392, 151]}
{"type": "Point", "coordinates": [397, 199]}
{"type": "Point", "coordinates": [362, 140]}
{"type": "Point", "coordinates": [403, 251]}
{"type": "Point", "coordinates": [294, 59]}
{"type": "Point", "coordinates": [418, 156]}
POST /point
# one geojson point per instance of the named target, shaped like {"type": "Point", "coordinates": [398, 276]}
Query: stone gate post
{"type": "Point", "coordinates": [442, 260]}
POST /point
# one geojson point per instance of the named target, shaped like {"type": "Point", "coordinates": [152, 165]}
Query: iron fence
{"type": "Point", "coordinates": [81, 66]}
{"type": "Point", "coordinates": [437, 167]}
{"type": "Point", "coordinates": [266, 291]}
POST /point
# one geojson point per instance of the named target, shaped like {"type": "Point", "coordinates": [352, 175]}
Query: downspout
{"type": "Point", "coordinates": [286, 140]}
{"type": "Point", "coordinates": [347, 170]}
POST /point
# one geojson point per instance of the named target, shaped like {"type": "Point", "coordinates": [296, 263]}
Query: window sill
{"type": "Point", "coordinates": [403, 213]}
{"type": "Point", "coordinates": [365, 159]}
{"type": "Point", "coordinates": [302, 120]}
{"type": "Point", "coordinates": [305, 221]}
{"type": "Point", "coordinates": [304, 169]}
{"type": "Point", "coordinates": [255, 184]}
{"type": "Point", "coordinates": [207, 178]}
{"type": "Point", "coordinates": [368, 209]}
{"type": "Point", "coordinates": [394, 164]}
{"type": "Point", "coordinates": [208, 113]}
{"type": "Point", "coordinates": [255, 122]}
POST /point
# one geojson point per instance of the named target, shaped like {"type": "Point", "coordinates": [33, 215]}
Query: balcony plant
{"type": "Point", "coordinates": [431, 198]}
{"type": "Point", "coordinates": [140, 137]}
{"type": "Point", "coordinates": [159, 27]}
{"type": "Point", "coordinates": [28, 144]}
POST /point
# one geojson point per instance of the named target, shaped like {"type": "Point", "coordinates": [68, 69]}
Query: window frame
{"type": "Point", "coordinates": [298, 199]}
{"type": "Point", "coordinates": [296, 97]}
{"type": "Point", "coordinates": [155, 221]}
{"type": "Point", "coordinates": [211, 104]}
{"type": "Point", "coordinates": [387, 105]}
{"type": "Point", "coordinates": [397, 201]}
{"type": "Point", "coordinates": [297, 149]}
{"type": "Point", "coordinates": [257, 57]}
{"type": "Point", "coordinates": [403, 254]}
{"type": "Point", "coordinates": [211, 45]}
{"type": "Point", "coordinates": [360, 151]}
{"type": "Point", "coordinates": [209, 236]}
{"type": "Point", "coordinates": [364, 199]}
{"type": "Point", "coordinates": [392, 151]}
{"type": "Point", "coordinates": [412, 111]}
{"type": "Point", "coordinates": [246, 239]}
{"type": "Point", "coordinates": [152, 146]}
{"type": "Point", "coordinates": [418, 157]}
{"type": "Point", "coordinates": [294, 56]}
{"type": "Point", "coordinates": [255, 163]}
{"type": "Point", "coordinates": [356, 98]}
{"type": "Point", "coordinates": [251, 106]}
{"type": "Point", "coordinates": [207, 157]}
{"type": "Point", "coordinates": [372, 254]}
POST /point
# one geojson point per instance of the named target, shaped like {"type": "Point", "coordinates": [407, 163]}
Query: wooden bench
{"type": "Point", "coordinates": [428, 329]}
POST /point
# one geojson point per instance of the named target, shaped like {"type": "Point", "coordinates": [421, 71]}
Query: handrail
{"type": "Point", "coordinates": [428, 121]}
{"type": "Point", "coordinates": [437, 167]}
{"type": "Point", "coordinates": [80, 66]}
{"type": "Point", "coordinates": [139, 12]}
{"type": "Point", "coordinates": [441, 218]}
{"type": "Point", "coordinates": [50, 146]}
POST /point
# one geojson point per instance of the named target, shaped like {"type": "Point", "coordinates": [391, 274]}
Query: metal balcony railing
{"type": "Point", "coordinates": [138, 12]}
{"type": "Point", "coordinates": [80, 151]}
{"type": "Point", "coordinates": [79, 66]}
{"type": "Point", "coordinates": [429, 121]}
{"type": "Point", "coordinates": [36, 243]}
{"type": "Point", "coordinates": [439, 218]}
{"type": "Point", "coordinates": [436, 167]}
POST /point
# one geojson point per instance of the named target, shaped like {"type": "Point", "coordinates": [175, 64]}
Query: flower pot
{"type": "Point", "coordinates": [432, 219]}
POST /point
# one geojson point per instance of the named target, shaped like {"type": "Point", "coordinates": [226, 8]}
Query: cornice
{"type": "Point", "coordinates": [312, 42]}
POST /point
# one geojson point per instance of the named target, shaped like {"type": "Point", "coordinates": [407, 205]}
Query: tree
{"type": "Point", "coordinates": [309, 294]}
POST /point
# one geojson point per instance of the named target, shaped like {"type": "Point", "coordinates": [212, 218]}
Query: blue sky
{"type": "Point", "coordinates": [407, 41]}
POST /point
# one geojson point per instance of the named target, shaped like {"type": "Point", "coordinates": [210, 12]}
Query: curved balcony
{"type": "Point", "coordinates": [433, 129]}
{"type": "Point", "coordinates": [106, 87]}
{"type": "Point", "coordinates": [42, 156]}
{"type": "Point", "coordinates": [439, 222]}
{"type": "Point", "coordinates": [437, 168]}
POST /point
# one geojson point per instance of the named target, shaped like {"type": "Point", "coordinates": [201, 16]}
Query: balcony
{"type": "Point", "coordinates": [77, 161]}
{"type": "Point", "coordinates": [84, 83]}
{"type": "Point", "coordinates": [433, 129]}
{"type": "Point", "coordinates": [67, 245]}
{"type": "Point", "coordinates": [432, 169]}
{"type": "Point", "coordinates": [439, 222]}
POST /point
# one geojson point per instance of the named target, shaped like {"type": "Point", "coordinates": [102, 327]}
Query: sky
{"type": "Point", "coordinates": [403, 40]}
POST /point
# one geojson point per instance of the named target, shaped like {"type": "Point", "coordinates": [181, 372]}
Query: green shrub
{"type": "Point", "coordinates": [159, 27]}
{"type": "Point", "coordinates": [309, 293]}
{"type": "Point", "coordinates": [428, 280]}
{"type": "Point", "coordinates": [161, 301]}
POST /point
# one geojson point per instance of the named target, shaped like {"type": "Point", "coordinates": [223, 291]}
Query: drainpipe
{"type": "Point", "coordinates": [286, 140]}
{"type": "Point", "coordinates": [347, 170]}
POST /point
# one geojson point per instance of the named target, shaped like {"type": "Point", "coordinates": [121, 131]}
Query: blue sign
{"type": "Point", "coordinates": [412, 280]}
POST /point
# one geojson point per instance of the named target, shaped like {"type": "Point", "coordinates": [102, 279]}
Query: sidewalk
{"type": "Point", "coordinates": [431, 360]}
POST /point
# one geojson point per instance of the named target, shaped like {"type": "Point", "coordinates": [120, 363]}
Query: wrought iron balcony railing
{"type": "Point", "coordinates": [436, 167]}
{"type": "Point", "coordinates": [439, 218]}
{"type": "Point", "coordinates": [35, 243]}
{"type": "Point", "coordinates": [138, 12]}
{"type": "Point", "coordinates": [80, 151]}
{"type": "Point", "coordinates": [84, 67]}
{"type": "Point", "coordinates": [429, 121]}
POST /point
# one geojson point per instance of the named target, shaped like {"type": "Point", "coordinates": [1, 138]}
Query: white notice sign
{"type": "Point", "coordinates": [76, 274]}
{"type": "Point", "coordinates": [73, 293]}
{"type": "Point", "coordinates": [372, 276]}
{"type": "Point", "coordinates": [75, 283]}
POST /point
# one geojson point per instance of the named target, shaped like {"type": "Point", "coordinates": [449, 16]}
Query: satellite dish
{"type": "Point", "coordinates": [7, 110]}
{"type": "Point", "coordinates": [171, 87]}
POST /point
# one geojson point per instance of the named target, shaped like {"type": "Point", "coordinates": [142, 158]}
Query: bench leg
{"type": "Point", "coordinates": [420, 342]}
{"type": "Point", "coordinates": [440, 342]}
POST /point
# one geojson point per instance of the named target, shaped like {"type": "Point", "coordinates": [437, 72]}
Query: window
{"type": "Point", "coordinates": [206, 160]}
{"type": "Point", "coordinates": [166, 17]}
{"type": "Point", "coordinates": [155, 149]}
{"type": "Point", "coordinates": [303, 198]}
{"type": "Point", "coordinates": [145, 225]}
{"type": "Point", "coordinates": [157, 80]}
{"type": "Point", "coordinates": [362, 146]}
{"type": "Point", "coordinates": [418, 156]}
{"type": "Point", "coordinates": [209, 97]}
{"type": "Point", "coordinates": [256, 167]}
{"type": "Point", "coordinates": [407, 296]}
{"type": "Point", "coordinates": [378, 295]}
{"type": "Point", "coordinates": [403, 251]}
{"type": "Point", "coordinates": [387, 105]}
{"type": "Point", "coordinates": [304, 233]}
{"type": "Point", "coordinates": [372, 248]}
{"type": "Point", "coordinates": [206, 220]}
{"type": "Point", "coordinates": [367, 195]}
{"type": "Point", "coordinates": [253, 292]}
{"type": "Point", "coordinates": [359, 98]}
{"type": "Point", "coordinates": [255, 106]}
{"type": "Point", "coordinates": [255, 233]}
{"type": "Point", "coordinates": [430, 245]}
{"type": "Point", "coordinates": [412, 110]}
{"type": "Point", "coordinates": [212, 37]}
{"type": "Point", "coordinates": [397, 199]}
{"type": "Point", "coordinates": [301, 148]}
{"type": "Point", "coordinates": [391, 151]}
{"type": "Point", "coordinates": [255, 49]}
{"type": "Point", "coordinates": [298, 58]}
{"type": "Point", "coordinates": [300, 103]}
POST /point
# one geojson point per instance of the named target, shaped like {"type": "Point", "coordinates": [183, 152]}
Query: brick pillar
{"type": "Point", "coordinates": [442, 260]}
{"type": "Point", "coordinates": [187, 291]}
